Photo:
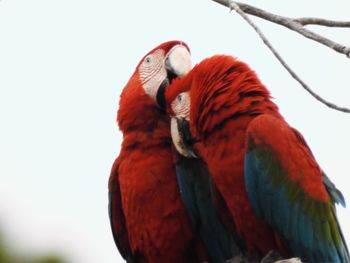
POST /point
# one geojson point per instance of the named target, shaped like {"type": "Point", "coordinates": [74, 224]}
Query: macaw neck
{"type": "Point", "coordinates": [139, 118]}
{"type": "Point", "coordinates": [137, 111]}
{"type": "Point", "coordinates": [147, 128]}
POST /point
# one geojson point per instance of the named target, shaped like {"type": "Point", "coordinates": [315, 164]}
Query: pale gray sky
{"type": "Point", "coordinates": [63, 65]}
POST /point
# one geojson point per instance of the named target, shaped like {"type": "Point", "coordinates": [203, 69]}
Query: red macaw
{"type": "Point", "coordinates": [277, 196]}
{"type": "Point", "coordinates": [149, 222]}
{"type": "Point", "coordinates": [148, 218]}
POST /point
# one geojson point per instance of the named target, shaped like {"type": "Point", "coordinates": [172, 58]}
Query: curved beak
{"type": "Point", "coordinates": [178, 61]}
{"type": "Point", "coordinates": [177, 64]}
{"type": "Point", "coordinates": [182, 137]}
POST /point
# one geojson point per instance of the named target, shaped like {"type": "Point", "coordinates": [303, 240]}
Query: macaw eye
{"type": "Point", "coordinates": [148, 60]}
{"type": "Point", "coordinates": [179, 98]}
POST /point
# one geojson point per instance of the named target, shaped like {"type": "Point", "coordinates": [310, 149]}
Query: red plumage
{"type": "Point", "coordinates": [148, 219]}
{"type": "Point", "coordinates": [228, 102]}
{"type": "Point", "coordinates": [211, 112]}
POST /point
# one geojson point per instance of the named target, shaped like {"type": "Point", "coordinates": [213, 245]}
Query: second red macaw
{"type": "Point", "coordinates": [274, 192]}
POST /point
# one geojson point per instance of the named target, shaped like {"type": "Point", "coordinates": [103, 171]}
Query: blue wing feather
{"type": "Point", "coordinates": [335, 194]}
{"type": "Point", "coordinates": [195, 188]}
{"type": "Point", "coordinates": [309, 227]}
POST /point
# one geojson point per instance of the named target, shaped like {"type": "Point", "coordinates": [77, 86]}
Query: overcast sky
{"type": "Point", "coordinates": [63, 65]}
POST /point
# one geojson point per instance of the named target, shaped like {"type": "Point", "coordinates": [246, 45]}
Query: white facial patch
{"type": "Point", "coordinates": [154, 67]}
{"type": "Point", "coordinates": [181, 105]}
{"type": "Point", "coordinates": [179, 60]}
{"type": "Point", "coordinates": [152, 72]}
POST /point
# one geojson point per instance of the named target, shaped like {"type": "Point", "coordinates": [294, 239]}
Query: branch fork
{"type": "Point", "coordinates": [297, 25]}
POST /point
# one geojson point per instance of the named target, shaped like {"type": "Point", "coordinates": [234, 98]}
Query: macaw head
{"type": "Point", "coordinates": [144, 93]}
{"type": "Point", "coordinates": [217, 89]}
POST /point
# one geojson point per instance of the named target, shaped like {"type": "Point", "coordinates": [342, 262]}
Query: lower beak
{"type": "Point", "coordinates": [182, 137]}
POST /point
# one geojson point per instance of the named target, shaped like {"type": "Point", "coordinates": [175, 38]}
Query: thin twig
{"type": "Point", "coordinates": [295, 25]}
{"type": "Point", "coordinates": [236, 7]}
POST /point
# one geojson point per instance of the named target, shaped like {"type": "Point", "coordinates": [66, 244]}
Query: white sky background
{"type": "Point", "coordinates": [63, 65]}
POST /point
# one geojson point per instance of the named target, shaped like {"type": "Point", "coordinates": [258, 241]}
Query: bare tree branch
{"type": "Point", "coordinates": [296, 24]}
{"type": "Point", "coordinates": [321, 22]}
{"type": "Point", "coordinates": [237, 7]}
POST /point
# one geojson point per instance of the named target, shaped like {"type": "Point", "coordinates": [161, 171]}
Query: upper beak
{"type": "Point", "coordinates": [178, 61]}
{"type": "Point", "coordinates": [177, 64]}
{"type": "Point", "coordinates": [182, 137]}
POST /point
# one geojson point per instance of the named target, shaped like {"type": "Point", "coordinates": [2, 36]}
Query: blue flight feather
{"type": "Point", "coordinates": [309, 227]}
{"type": "Point", "coordinates": [196, 192]}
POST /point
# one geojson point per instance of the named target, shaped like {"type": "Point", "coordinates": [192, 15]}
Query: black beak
{"type": "Point", "coordinates": [187, 140]}
{"type": "Point", "coordinates": [160, 97]}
